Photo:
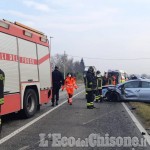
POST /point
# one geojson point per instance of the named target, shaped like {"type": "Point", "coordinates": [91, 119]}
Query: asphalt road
{"type": "Point", "coordinates": [74, 123]}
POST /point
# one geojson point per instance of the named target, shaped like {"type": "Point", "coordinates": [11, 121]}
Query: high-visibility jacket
{"type": "Point", "coordinates": [99, 82]}
{"type": "Point", "coordinates": [2, 79]}
{"type": "Point", "coordinates": [122, 79]}
{"type": "Point", "coordinates": [98, 93]}
{"type": "Point", "coordinates": [70, 85]}
{"type": "Point", "coordinates": [90, 82]}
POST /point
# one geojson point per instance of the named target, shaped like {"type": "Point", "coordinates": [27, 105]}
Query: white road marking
{"type": "Point", "coordinates": [84, 123]}
{"type": "Point", "coordinates": [137, 123]}
{"type": "Point", "coordinates": [6, 138]}
{"type": "Point", "coordinates": [23, 148]}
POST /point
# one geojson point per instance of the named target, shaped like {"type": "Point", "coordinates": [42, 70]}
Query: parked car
{"type": "Point", "coordinates": [132, 90]}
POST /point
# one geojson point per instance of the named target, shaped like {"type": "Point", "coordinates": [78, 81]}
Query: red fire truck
{"type": "Point", "coordinates": [25, 60]}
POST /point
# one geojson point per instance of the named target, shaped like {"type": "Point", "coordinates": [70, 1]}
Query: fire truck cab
{"type": "Point", "coordinates": [25, 60]}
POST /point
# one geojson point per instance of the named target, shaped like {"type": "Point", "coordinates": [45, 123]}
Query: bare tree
{"type": "Point", "coordinates": [68, 65]}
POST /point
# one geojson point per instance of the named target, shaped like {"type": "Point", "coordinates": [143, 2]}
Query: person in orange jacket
{"type": "Point", "coordinates": [69, 85]}
{"type": "Point", "coordinates": [114, 80]}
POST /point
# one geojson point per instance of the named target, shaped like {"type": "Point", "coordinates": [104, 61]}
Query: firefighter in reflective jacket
{"type": "Point", "coordinates": [90, 87]}
{"type": "Point", "coordinates": [2, 79]}
{"type": "Point", "coordinates": [99, 87]}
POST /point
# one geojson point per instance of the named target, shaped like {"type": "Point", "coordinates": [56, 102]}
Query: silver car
{"type": "Point", "coordinates": [132, 90]}
{"type": "Point", "coordinates": [106, 88]}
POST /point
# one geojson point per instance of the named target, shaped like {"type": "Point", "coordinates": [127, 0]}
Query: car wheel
{"type": "Point", "coordinates": [107, 96]}
{"type": "Point", "coordinates": [115, 97]}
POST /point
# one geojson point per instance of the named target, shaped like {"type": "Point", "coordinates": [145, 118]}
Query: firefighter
{"type": "Point", "coordinates": [69, 85]}
{"type": "Point", "coordinates": [90, 86]}
{"type": "Point", "coordinates": [57, 81]}
{"type": "Point", "coordinates": [2, 80]}
{"type": "Point", "coordinates": [123, 79]}
{"type": "Point", "coordinates": [99, 87]}
{"type": "Point", "coordinates": [95, 87]}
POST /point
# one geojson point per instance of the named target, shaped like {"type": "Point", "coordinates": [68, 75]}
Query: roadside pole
{"type": "Point", "coordinates": [64, 65]}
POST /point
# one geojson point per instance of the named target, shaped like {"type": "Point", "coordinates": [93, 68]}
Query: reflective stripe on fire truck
{"type": "Point", "coordinates": [1, 101]}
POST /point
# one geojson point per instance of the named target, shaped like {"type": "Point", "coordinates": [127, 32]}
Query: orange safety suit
{"type": "Point", "coordinates": [113, 80]}
{"type": "Point", "coordinates": [70, 85]}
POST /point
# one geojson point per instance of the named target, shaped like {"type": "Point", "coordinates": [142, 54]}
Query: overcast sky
{"type": "Point", "coordinates": [108, 34]}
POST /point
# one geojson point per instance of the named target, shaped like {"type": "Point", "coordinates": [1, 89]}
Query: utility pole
{"type": "Point", "coordinates": [50, 44]}
{"type": "Point", "coordinates": [64, 65]}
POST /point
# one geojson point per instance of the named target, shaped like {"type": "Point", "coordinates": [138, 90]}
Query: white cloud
{"type": "Point", "coordinates": [75, 23]}
{"type": "Point", "coordinates": [19, 14]}
{"type": "Point", "coordinates": [36, 5]}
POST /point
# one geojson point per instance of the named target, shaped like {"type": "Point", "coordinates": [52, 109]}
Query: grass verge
{"type": "Point", "coordinates": [143, 112]}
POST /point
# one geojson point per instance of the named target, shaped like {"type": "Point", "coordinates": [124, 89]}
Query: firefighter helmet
{"type": "Point", "coordinates": [98, 72]}
{"type": "Point", "coordinates": [91, 69]}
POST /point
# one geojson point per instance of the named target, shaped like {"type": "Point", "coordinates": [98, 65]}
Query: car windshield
{"type": "Point", "coordinates": [118, 85]}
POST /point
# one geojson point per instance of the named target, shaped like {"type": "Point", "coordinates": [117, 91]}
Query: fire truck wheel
{"type": "Point", "coordinates": [30, 103]}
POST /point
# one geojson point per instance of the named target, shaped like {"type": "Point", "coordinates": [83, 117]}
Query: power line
{"type": "Point", "coordinates": [140, 58]}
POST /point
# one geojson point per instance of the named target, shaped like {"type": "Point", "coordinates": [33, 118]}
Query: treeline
{"type": "Point", "coordinates": [144, 76]}
{"type": "Point", "coordinates": [67, 64]}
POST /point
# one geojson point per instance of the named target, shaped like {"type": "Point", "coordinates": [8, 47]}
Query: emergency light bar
{"type": "Point", "coordinates": [28, 28]}
{"type": "Point", "coordinates": [26, 33]}
{"type": "Point", "coordinates": [4, 25]}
